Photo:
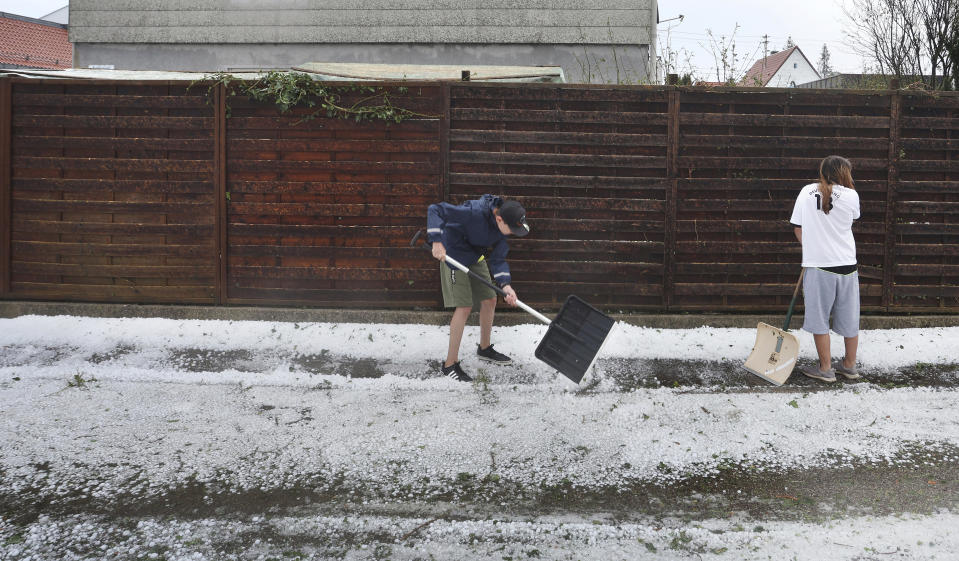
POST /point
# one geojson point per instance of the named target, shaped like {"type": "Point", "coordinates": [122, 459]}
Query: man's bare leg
{"type": "Point", "coordinates": [852, 345]}
{"type": "Point", "coordinates": [457, 325]}
{"type": "Point", "coordinates": [822, 348]}
{"type": "Point", "coordinates": [487, 311]}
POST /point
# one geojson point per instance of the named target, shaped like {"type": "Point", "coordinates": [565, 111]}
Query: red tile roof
{"type": "Point", "coordinates": [28, 43]}
{"type": "Point", "coordinates": [765, 68]}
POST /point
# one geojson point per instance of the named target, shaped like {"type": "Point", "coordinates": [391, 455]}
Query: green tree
{"type": "Point", "coordinates": [823, 65]}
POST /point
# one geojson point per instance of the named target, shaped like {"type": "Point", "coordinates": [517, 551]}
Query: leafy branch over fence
{"type": "Point", "coordinates": [298, 89]}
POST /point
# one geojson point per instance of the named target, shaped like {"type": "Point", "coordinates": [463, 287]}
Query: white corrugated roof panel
{"type": "Point", "coordinates": [430, 72]}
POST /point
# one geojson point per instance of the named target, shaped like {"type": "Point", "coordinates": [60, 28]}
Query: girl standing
{"type": "Point", "coordinates": [822, 219]}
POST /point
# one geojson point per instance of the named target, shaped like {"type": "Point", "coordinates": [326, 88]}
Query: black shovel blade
{"type": "Point", "coordinates": [574, 338]}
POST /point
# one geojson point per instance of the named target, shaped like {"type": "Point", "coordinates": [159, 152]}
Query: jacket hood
{"type": "Point", "coordinates": [490, 202]}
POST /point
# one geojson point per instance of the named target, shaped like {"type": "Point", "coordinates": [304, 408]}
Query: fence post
{"type": "Point", "coordinates": [892, 186]}
{"type": "Point", "coordinates": [219, 194]}
{"type": "Point", "coordinates": [672, 195]}
{"type": "Point", "coordinates": [6, 203]}
{"type": "Point", "coordinates": [444, 193]}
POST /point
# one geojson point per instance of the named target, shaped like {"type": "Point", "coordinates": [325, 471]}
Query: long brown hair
{"type": "Point", "coordinates": [834, 170]}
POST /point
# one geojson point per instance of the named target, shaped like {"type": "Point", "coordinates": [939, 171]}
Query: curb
{"type": "Point", "coordinates": [15, 308]}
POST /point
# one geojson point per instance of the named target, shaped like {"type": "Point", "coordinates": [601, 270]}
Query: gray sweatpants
{"type": "Point", "coordinates": [828, 294]}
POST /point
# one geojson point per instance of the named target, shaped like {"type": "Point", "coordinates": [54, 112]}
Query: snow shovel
{"type": "Point", "coordinates": [573, 340]}
{"type": "Point", "coordinates": [776, 350]}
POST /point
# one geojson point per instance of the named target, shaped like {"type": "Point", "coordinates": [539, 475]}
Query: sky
{"type": "Point", "coordinates": [811, 25]}
{"type": "Point", "coordinates": [31, 8]}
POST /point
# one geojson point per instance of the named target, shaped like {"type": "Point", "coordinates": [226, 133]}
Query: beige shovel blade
{"type": "Point", "coordinates": [768, 363]}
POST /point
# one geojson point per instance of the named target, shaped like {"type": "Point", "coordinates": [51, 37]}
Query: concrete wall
{"type": "Point", "coordinates": [590, 40]}
{"type": "Point", "coordinates": [581, 63]}
{"type": "Point", "coordinates": [796, 70]}
{"type": "Point", "coordinates": [620, 22]}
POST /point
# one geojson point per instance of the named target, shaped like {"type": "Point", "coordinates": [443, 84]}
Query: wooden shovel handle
{"type": "Point", "coordinates": [792, 303]}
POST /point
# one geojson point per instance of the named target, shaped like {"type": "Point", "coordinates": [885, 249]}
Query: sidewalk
{"type": "Point", "coordinates": [249, 440]}
{"type": "Point", "coordinates": [504, 317]}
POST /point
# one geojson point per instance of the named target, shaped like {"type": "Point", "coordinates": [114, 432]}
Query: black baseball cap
{"type": "Point", "coordinates": [514, 215]}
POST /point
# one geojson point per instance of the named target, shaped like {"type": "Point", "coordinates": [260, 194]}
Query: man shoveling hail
{"type": "Point", "coordinates": [474, 233]}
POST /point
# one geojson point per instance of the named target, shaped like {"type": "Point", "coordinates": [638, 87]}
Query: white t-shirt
{"type": "Point", "coordinates": [827, 239]}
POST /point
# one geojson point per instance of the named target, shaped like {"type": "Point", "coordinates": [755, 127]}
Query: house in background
{"type": "Point", "coordinates": [599, 41]}
{"type": "Point", "coordinates": [29, 43]}
{"type": "Point", "coordinates": [868, 81]}
{"type": "Point", "coordinates": [785, 69]}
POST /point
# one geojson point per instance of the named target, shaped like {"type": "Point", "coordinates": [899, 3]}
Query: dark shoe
{"type": "Point", "coordinates": [813, 371]}
{"type": "Point", "coordinates": [490, 355]}
{"type": "Point", "coordinates": [849, 373]}
{"type": "Point", "coordinates": [454, 372]}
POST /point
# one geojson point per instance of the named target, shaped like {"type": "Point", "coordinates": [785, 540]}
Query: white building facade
{"type": "Point", "coordinates": [785, 69]}
{"type": "Point", "coordinates": [795, 70]}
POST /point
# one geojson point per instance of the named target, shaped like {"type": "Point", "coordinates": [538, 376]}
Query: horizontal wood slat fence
{"type": "Point", "coordinates": [639, 198]}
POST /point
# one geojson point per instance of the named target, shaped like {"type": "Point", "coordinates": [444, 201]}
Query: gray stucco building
{"type": "Point", "coordinates": [611, 41]}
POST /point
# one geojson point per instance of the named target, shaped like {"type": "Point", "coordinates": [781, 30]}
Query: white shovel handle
{"type": "Point", "coordinates": [466, 270]}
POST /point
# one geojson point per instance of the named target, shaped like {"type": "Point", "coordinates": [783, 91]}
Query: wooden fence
{"type": "Point", "coordinates": [639, 198]}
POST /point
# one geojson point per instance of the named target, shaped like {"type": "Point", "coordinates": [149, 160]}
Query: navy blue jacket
{"type": "Point", "coordinates": [466, 230]}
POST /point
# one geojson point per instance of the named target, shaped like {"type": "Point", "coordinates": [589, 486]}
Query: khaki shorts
{"type": "Point", "coordinates": [460, 290]}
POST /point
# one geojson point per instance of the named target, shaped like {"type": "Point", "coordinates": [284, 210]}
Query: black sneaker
{"type": "Point", "coordinates": [454, 372]}
{"type": "Point", "coordinates": [490, 355]}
